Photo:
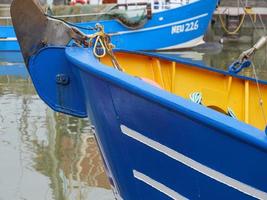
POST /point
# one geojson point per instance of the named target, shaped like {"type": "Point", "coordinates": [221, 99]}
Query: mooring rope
{"type": "Point", "coordinates": [248, 12]}
{"type": "Point", "coordinates": [253, 21]}
{"type": "Point", "coordinates": [238, 27]}
{"type": "Point", "coordinates": [259, 92]}
{"type": "Point", "coordinates": [101, 41]}
{"type": "Point", "coordinates": [89, 28]}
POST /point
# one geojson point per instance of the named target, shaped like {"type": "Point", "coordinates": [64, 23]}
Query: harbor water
{"type": "Point", "coordinates": [43, 154]}
{"type": "Point", "coordinates": [50, 156]}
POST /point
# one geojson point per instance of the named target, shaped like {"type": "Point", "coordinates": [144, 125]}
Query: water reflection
{"type": "Point", "coordinates": [231, 52]}
{"type": "Point", "coordinates": [45, 155]}
{"type": "Point", "coordinates": [10, 57]}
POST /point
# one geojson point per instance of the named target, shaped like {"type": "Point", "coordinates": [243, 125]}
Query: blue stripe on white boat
{"type": "Point", "coordinates": [218, 176]}
{"type": "Point", "coordinates": [158, 186]}
{"type": "Point", "coordinates": [160, 26]}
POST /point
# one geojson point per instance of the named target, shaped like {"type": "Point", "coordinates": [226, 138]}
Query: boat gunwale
{"type": "Point", "coordinates": [216, 120]}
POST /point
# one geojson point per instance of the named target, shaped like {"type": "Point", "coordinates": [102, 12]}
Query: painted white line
{"type": "Point", "coordinates": [218, 176]}
{"type": "Point", "coordinates": [191, 43]}
{"type": "Point", "coordinates": [161, 26]}
{"type": "Point", "coordinates": [8, 39]}
{"type": "Point", "coordinates": [158, 186]}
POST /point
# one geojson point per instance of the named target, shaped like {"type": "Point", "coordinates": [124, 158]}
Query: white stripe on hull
{"type": "Point", "coordinates": [218, 176]}
{"type": "Point", "coordinates": [160, 26]}
{"type": "Point", "coordinates": [8, 39]}
{"type": "Point", "coordinates": [158, 186]}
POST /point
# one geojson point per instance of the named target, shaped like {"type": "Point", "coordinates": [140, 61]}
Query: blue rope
{"type": "Point", "coordinates": [231, 113]}
{"type": "Point", "coordinates": [196, 97]}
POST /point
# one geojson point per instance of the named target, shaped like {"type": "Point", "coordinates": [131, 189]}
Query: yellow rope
{"type": "Point", "coordinates": [247, 11]}
{"type": "Point", "coordinates": [102, 40]}
{"type": "Point", "coordinates": [237, 29]}
{"type": "Point", "coordinates": [251, 13]}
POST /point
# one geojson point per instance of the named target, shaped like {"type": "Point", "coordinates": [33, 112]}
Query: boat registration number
{"type": "Point", "coordinates": [187, 27]}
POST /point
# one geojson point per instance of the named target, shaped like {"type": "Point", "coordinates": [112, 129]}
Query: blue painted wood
{"type": "Point", "coordinates": [63, 98]}
{"type": "Point", "coordinates": [173, 126]}
{"type": "Point", "coordinates": [166, 29]}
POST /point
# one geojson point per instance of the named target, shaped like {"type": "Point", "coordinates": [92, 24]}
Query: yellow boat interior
{"type": "Point", "coordinates": [218, 91]}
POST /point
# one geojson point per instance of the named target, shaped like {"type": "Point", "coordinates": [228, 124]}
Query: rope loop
{"type": "Point", "coordinates": [100, 41]}
{"type": "Point", "coordinates": [99, 49]}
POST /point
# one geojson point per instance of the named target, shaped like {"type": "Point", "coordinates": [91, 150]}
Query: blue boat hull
{"type": "Point", "coordinates": [180, 27]}
{"type": "Point", "coordinates": [189, 152]}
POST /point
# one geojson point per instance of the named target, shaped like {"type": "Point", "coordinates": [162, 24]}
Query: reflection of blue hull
{"type": "Point", "coordinates": [8, 40]}
{"type": "Point", "coordinates": [14, 70]}
{"type": "Point", "coordinates": [9, 45]}
{"type": "Point", "coordinates": [181, 27]}
{"type": "Point", "coordinates": [11, 57]}
{"type": "Point", "coordinates": [189, 152]}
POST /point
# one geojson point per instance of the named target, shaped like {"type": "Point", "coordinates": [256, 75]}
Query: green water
{"type": "Point", "coordinates": [50, 156]}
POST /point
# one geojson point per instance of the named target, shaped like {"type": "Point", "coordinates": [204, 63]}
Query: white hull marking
{"type": "Point", "coordinates": [218, 176]}
{"type": "Point", "coordinates": [160, 26]}
{"type": "Point", "coordinates": [158, 186]}
{"type": "Point", "coordinates": [9, 39]}
{"type": "Point", "coordinates": [191, 43]}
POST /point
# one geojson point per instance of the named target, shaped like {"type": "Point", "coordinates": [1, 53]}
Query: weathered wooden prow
{"type": "Point", "coordinates": [35, 30]}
